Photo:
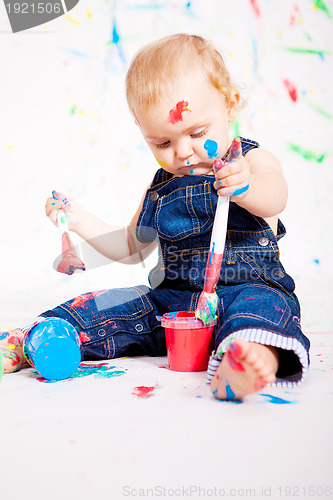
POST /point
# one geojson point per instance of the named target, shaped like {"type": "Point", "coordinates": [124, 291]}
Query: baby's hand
{"type": "Point", "coordinates": [72, 209]}
{"type": "Point", "coordinates": [233, 174]}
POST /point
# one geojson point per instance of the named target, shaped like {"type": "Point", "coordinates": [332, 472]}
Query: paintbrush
{"type": "Point", "coordinates": [70, 261]}
{"type": "Point", "coordinates": [208, 300]}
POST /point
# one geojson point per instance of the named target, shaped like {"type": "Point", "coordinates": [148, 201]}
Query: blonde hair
{"type": "Point", "coordinates": [157, 65]}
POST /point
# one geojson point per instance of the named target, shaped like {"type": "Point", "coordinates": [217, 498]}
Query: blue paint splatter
{"type": "Point", "coordinates": [240, 191]}
{"type": "Point", "coordinates": [75, 53]}
{"type": "Point", "coordinates": [275, 400]}
{"type": "Point", "coordinates": [99, 370]}
{"type": "Point", "coordinates": [115, 39]}
{"type": "Point", "coordinates": [212, 254]}
{"type": "Point", "coordinates": [255, 56]}
{"type": "Point", "coordinates": [212, 148]}
{"type": "Point", "coordinates": [230, 393]}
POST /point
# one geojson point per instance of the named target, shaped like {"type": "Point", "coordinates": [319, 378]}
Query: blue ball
{"type": "Point", "coordinates": [53, 348]}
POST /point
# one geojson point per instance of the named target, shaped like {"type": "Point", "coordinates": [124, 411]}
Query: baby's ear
{"type": "Point", "coordinates": [233, 106]}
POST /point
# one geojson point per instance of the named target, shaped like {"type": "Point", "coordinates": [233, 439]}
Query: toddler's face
{"type": "Point", "coordinates": [188, 128]}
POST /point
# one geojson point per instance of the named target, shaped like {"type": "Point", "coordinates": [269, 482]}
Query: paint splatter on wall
{"type": "Point", "coordinates": [70, 126]}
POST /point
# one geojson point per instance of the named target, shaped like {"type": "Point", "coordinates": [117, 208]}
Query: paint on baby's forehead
{"type": "Point", "coordinates": [175, 114]}
{"type": "Point", "coordinates": [212, 148]}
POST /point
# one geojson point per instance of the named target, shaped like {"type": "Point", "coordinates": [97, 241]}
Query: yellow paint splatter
{"type": "Point", "coordinates": [161, 163]}
{"type": "Point", "coordinates": [72, 20]}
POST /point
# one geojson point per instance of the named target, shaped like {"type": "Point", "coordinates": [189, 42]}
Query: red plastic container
{"type": "Point", "coordinates": [188, 340]}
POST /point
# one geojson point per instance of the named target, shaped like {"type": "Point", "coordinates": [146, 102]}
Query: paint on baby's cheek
{"type": "Point", "coordinates": [161, 163]}
{"type": "Point", "coordinates": [175, 114]}
{"type": "Point", "coordinates": [212, 148]}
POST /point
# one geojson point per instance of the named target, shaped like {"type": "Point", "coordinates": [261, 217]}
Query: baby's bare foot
{"type": "Point", "coordinates": [11, 348]}
{"type": "Point", "coordinates": [245, 368]}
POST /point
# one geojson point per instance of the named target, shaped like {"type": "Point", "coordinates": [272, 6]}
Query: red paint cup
{"type": "Point", "coordinates": [188, 341]}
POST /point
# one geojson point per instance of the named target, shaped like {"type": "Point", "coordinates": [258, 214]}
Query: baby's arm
{"type": "Point", "coordinates": [267, 192]}
{"type": "Point", "coordinates": [114, 242]}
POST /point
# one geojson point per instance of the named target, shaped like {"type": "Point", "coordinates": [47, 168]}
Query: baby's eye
{"type": "Point", "coordinates": [199, 134]}
{"type": "Point", "coordinates": [163, 144]}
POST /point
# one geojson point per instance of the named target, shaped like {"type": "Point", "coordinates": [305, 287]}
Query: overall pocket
{"type": "Point", "coordinates": [184, 212]}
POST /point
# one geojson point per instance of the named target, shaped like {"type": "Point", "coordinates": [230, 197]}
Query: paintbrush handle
{"type": "Point", "coordinates": [217, 244]}
{"type": "Point", "coordinates": [219, 231]}
{"type": "Point", "coordinates": [62, 222]}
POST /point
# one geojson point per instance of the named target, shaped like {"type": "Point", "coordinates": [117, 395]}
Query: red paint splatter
{"type": "Point", "coordinates": [231, 354]}
{"type": "Point", "coordinates": [255, 6]}
{"type": "Point", "coordinates": [136, 118]}
{"type": "Point", "coordinates": [175, 114]}
{"type": "Point", "coordinates": [214, 262]}
{"type": "Point", "coordinates": [278, 309]}
{"type": "Point", "coordinates": [16, 341]}
{"type": "Point", "coordinates": [84, 337]}
{"type": "Point", "coordinates": [81, 300]}
{"type": "Point", "coordinates": [294, 15]}
{"type": "Point", "coordinates": [259, 384]}
{"type": "Point", "coordinates": [143, 391]}
{"type": "Point", "coordinates": [291, 89]}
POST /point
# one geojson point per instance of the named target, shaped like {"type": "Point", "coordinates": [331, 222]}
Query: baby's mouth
{"type": "Point", "coordinates": [199, 168]}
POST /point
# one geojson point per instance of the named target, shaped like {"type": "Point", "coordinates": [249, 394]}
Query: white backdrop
{"type": "Point", "coordinates": [65, 125]}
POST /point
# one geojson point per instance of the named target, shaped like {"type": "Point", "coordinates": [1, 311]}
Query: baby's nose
{"type": "Point", "coordinates": [183, 150]}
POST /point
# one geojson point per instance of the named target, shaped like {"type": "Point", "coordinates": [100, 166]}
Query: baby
{"type": "Point", "coordinates": [183, 100]}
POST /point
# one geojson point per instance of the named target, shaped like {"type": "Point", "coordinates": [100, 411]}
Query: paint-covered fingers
{"type": "Point", "coordinates": [74, 212]}
{"type": "Point", "coordinates": [51, 211]}
{"type": "Point", "coordinates": [231, 186]}
{"type": "Point", "coordinates": [232, 178]}
{"type": "Point", "coordinates": [235, 150]}
{"type": "Point", "coordinates": [60, 201]}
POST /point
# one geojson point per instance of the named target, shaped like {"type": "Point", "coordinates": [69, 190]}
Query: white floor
{"type": "Point", "coordinates": [96, 436]}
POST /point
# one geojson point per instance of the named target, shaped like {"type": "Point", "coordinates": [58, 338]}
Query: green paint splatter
{"type": "Point", "coordinates": [235, 129]}
{"type": "Point", "coordinates": [104, 371]}
{"type": "Point", "coordinates": [73, 110]}
{"type": "Point", "coordinates": [300, 50]}
{"type": "Point", "coordinates": [306, 154]}
{"type": "Point", "coordinates": [320, 110]}
{"type": "Point", "coordinates": [323, 7]}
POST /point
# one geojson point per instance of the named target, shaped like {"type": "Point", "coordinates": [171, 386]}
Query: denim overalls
{"type": "Point", "coordinates": [256, 295]}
